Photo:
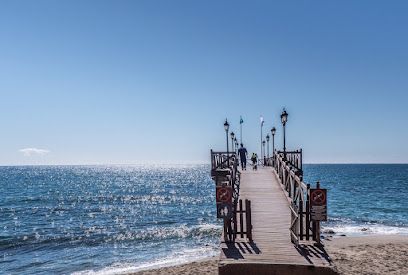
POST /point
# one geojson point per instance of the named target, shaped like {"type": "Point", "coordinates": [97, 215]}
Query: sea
{"type": "Point", "coordinates": [120, 219]}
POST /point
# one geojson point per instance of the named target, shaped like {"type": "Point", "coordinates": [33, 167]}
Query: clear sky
{"type": "Point", "coordinates": [87, 82]}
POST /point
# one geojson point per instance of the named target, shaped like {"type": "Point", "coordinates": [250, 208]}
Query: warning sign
{"type": "Point", "coordinates": [318, 204]}
{"type": "Point", "coordinates": [224, 194]}
{"type": "Point", "coordinates": [224, 210]}
{"type": "Point", "coordinates": [318, 196]}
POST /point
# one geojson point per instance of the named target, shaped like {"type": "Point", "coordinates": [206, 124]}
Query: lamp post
{"type": "Point", "coordinates": [267, 145]}
{"type": "Point", "coordinates": [273, 131]}
{"type": "Point", "coordinates": [236, 144]}
{"type": "Point", "coordinates": [263, 148]}
{"type": "Point", "coordinates": [284, 119]}
{"type": "Point", "coordinates": [262, 123]}
{"type": "Point", "coordinates": [226, 127]}
{"type": "Point", "coordinates": [232, 141]}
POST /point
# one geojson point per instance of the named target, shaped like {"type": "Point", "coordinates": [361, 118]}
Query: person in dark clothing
{"type": "Point", "coordinates": [254, 159]}
{"type": "Point", "coordinates": [242, 152]}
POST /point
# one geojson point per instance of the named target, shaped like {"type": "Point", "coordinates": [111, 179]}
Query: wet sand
{"type": "Point", "coordinates": [351, 255]}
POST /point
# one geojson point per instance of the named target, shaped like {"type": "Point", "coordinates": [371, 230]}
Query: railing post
{"type": "Point", "coordinates": [235, 220]}
{"type": "Point", "coordinates": [230, 233]}
{"type": "Point", "coordinates": [307, 213]}
{"type": "Point", "coordinates": [316, 225]}
{"type": "Point", "coordinates": [225, 230]}
{"type": "Point", "coordinates": [241, 219]}
{"type": "Point", "coordinates": [248, 219]}
{"type": "Point", "coordinates": [317, 222]}
{"type": "Point", "coordinates": [212, 160]}
{"type": "Point", "coordinates": [301, 218]}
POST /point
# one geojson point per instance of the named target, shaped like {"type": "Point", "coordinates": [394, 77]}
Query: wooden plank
{"type": "Point", "coordinates": [271, 219]}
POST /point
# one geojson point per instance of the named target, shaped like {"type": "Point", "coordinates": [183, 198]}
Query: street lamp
{"type": "Point", "coordinates": [273, 131]}
{"type": "Point", "coordinates": [267, 144]}
{"type": "Point", "coordinates": [262, 123]}
{"type": "Point", "coordinates": [284, 119]}
{"type": "Point", "coordinates": [226, 127]}
{"type": "Point", "coordinates": [232, 141]}
{"type": "Point", "coordinates": [263, 147]}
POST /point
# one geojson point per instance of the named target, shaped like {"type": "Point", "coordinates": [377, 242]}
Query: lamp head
{"type": "Point", "coordinates": [273, 130]}
{"type": "Point", "coordinates": [226, 125]}
{"type": "Point", "coordinates": [284, 117]}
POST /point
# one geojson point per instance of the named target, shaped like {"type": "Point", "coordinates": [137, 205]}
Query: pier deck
{"type": "Point", "coordinates": [271, 251]}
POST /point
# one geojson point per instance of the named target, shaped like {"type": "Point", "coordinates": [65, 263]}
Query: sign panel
{"type": "Point", "coordinates": [318, 204]}
{"type": "Point", "coordinates": [222, 182]}
{"type": "Point", "coordinates": [224, 194]}
{"type": "Point", "coordinates": [224, 210]}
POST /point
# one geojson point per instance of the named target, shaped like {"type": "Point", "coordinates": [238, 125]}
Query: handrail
{"type": "Point", "coordinates": [224, 171]}
{"type": "Point", "coordinates": [291, 179]}
{"type": "Point", "coordinates": [294, 158]}
{"type": "Point", "coordinates": [227, 162]}
{"type": "Point", "coordinates": [298, 193]}
{"type": "Point", "coordinates": [222, 160]}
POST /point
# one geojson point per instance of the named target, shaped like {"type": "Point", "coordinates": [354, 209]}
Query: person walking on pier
{"type": "Point", "coordinates": [242, 152]}
{"type": "Point", "coordinates": [254, 159]}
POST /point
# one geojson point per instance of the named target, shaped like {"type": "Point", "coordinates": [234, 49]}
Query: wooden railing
{"type": "Point", "coordinates": [269, 161]}
{"type": "Point", "coordinates": [221, 160]}
{"type": "Point", "coordinates": [224, 171]}
{"type": "Point", "coordinates": [298, 193]}
{"type": "Point", "coordinates": [241, 219]}
{"type": "Point", "coordinates": [293, 158]}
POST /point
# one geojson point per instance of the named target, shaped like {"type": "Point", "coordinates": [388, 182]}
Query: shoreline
{"type": "Point", "coordinates": [367, 254]}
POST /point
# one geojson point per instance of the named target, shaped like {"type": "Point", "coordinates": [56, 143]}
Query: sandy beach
{"type": "Point", "coordinates": [351, 255]}
{"type": "Point", "coordinates": [209, 266]}
{"type": "Point", "coordinates": [370, 254]}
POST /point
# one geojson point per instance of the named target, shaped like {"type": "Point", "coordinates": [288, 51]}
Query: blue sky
{"type": "Point", "coordinates": [95, 82]}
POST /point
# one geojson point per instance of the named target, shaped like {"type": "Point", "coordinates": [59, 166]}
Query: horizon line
{"type": "Point", "coordinates": [193, 163]}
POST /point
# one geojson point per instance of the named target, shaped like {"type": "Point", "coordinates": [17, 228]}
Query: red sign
{"type": "Point", "coordinates": [224, 194]}
{"type": "Point", "coordinates": [318, 196]}
{"type": "Point", "coordinates": [318, 204]}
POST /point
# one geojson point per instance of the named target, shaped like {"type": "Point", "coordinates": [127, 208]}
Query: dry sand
{"type": "Point", "coordinates": [351, 255]}
{"type": "Point", "coordinates": [209, 266]}
{"type": "Point", "coordinates": [370, 254]}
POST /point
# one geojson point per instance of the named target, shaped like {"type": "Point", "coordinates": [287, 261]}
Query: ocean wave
{"type": "Point", "coordinates": [170, 197]}
{"type": "Point", "coordinates": [187, 255]}
{"type": "Point", "coordinates": [363, 229]}
{"type": "Point", "coordinates": [94, 236]}
{"type": "Point", "coordinates": [163, 233]}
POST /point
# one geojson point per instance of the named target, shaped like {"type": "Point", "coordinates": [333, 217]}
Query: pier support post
{"type": "Point", "coordinates": [301, 219]}
{"type": "Point", "coordinates": [248, 219]}
{"type": "Point", "coordinates": [307, 212]}
{"type": "Point", "coordinates": [241, 219]}
{"type": "Point", "coordinates": [317, 223]}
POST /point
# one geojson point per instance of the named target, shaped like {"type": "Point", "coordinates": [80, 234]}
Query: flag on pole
{"type": "Point", "coordinates": [241, 120]}
{"type": "Point", "coordinates": [262, 120]}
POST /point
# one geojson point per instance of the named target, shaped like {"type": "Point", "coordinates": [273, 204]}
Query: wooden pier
{"type": "Point", "coordinates": [280, 236]}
